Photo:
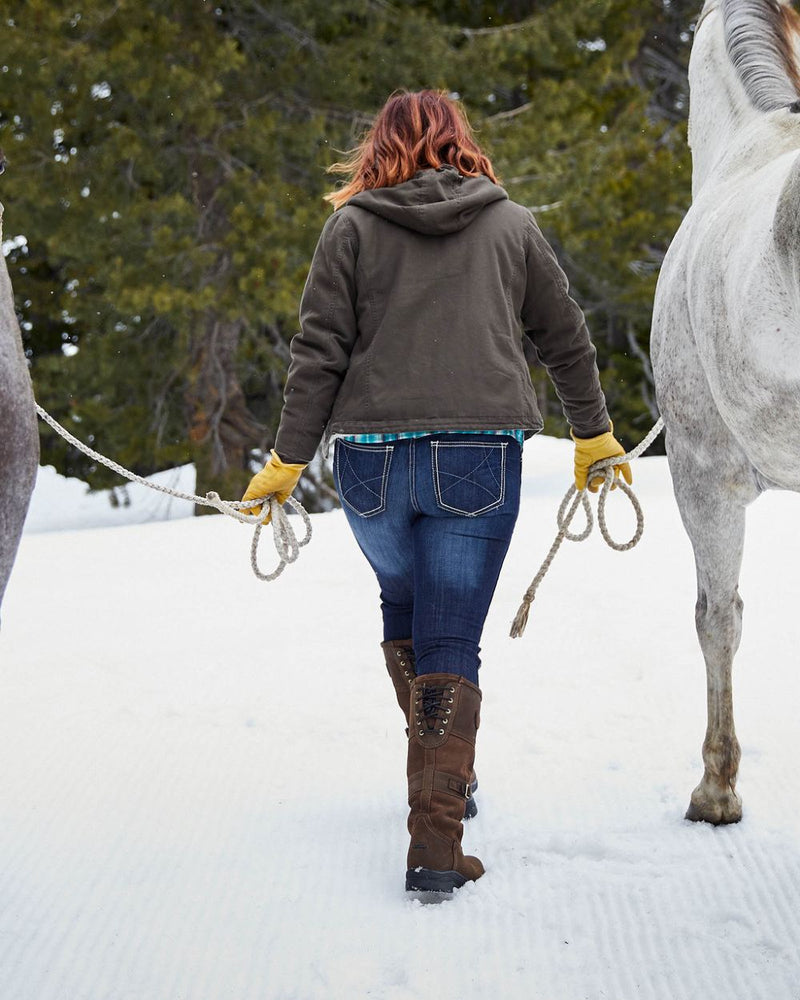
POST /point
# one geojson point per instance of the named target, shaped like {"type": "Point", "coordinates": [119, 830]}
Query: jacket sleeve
{"type": "Point", "coordinates": [556, 326]}
{"type": "Point", "coordinates": [320, 352]}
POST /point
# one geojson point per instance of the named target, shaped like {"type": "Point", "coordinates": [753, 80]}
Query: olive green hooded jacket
{"type": "Point", "coordinates": [413, 316]}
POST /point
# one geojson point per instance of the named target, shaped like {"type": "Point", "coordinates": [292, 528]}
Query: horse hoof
{"type": "Point", "coordinates": [717, 810]}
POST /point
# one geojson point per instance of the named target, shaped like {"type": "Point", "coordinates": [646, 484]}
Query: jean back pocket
{"type": "Point", "coordinates": [469, 477]}
{"type": "Point", "coordinates": [362, 475]}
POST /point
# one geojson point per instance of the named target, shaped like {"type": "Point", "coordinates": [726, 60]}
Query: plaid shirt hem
{"type": "Point", "coordinates": [518, 435]}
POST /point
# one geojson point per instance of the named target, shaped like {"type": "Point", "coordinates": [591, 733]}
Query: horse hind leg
{"type": "Point", "coordinates": [714, 517]}
{"type": "Point", "coordinates": [718, 619]}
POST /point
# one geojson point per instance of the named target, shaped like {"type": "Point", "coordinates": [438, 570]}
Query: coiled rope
{"type": "Point", "coordinates": [567, 510]}
{"type": "Point", "coordinates": [287, 544]}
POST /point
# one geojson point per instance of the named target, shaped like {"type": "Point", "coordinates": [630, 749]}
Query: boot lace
{"type": "Point", "coordinates": [432, 709]}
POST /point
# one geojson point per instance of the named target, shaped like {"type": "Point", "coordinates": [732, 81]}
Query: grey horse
{"type": "Point", "coordinates": [726, 331]}
{"type": "Point", "coordinates": [19, 438]}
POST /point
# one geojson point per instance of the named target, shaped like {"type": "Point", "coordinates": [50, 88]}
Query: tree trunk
{"type": "Point", "coordinates": [221, 428]}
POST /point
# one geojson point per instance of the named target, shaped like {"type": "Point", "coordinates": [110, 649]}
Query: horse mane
{"type": "Point", "coordinates": [760, 39]}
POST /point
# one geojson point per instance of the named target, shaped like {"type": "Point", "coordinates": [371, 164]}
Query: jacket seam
{"type": "Point", "coordinates": [351, 238]}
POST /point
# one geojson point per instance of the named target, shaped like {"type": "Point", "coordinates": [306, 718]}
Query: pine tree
{"type": "Point", "coordinates": [587, 132]}
{"type": "Point", "coordinates": [166, 168]}
{"type": "Point", "coordinates": [147, 174]}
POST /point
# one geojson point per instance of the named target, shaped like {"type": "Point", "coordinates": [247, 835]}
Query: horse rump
{"type": "Point", "coordinates": [19, 439]}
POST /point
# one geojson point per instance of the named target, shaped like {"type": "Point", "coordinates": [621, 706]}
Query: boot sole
{"type": "Point", "coordinates": [426, 880]}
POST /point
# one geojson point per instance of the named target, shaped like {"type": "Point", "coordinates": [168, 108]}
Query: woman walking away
{"type": "Point", "coordinates": [410, 358]}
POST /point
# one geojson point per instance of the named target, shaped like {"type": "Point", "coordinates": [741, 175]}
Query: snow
{"type": "Point", "coordinates": [59, 504]}
{"type": "Point", "coordinates": [202, 785]}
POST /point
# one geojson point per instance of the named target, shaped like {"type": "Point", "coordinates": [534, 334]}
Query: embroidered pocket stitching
{"type": "Point", "coordinates": [345, 465]}
{"type": "Point", "coordinates": [436, 445]}
{"type": "Point", "coordinates": [461, 479]}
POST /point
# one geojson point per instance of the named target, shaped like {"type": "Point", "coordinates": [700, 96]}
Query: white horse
{"type": "Point", "coordinates": [726, 330]}
{"type": "Point", "coordinates": [19, 439]}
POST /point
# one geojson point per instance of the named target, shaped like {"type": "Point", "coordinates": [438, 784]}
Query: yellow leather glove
{"type": "Point", "coordinates": [276, 477]}
{"type": "Point", "coordinates": [591, 450]}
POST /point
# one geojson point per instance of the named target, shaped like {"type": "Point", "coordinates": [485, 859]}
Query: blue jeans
{"type": "Point", "coordinates": [434, 517]}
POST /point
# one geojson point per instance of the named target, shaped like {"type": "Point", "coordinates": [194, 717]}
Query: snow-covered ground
{"type": "Point", "coordinates": [202, 783]}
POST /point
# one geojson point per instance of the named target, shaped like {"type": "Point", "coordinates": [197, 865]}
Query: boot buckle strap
{"type": "Point", "coordinates": [448, 783]}
{"type": "Point", "coordinates": [461, 788]}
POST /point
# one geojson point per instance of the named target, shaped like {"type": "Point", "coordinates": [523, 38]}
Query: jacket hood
{"type": "Point", "coordinates": [433, 202]}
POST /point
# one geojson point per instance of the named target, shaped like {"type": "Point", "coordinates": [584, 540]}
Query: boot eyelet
{"type": "Point", "coordinates": [441, 732]}
{"type": "Point", "coordinates": [444, 722]}
{"type": "Point", "coordinates": [451, 702]}
{"type": "Point", "coordinates": [422, 732]}
{"type": "Point", "coordinates": [448, 710]}
{"type": "Point", "coordinates": [452, 690]}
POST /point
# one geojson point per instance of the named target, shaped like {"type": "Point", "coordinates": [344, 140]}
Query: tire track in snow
{"type": "Point", "coordinates": [767, 871]}
{"type": "Point", "coordinates": [165, 851]}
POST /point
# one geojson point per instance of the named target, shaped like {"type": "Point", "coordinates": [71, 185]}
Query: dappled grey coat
{"type": "Point", "coordinates": [19, 440]}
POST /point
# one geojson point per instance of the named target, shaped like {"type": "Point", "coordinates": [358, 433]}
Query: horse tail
{"type": "Point", "coordinates": [786, 222]}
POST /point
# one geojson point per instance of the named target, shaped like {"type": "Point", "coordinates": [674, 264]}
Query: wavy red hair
{"type": "Point", "coordinates": [412, 131]}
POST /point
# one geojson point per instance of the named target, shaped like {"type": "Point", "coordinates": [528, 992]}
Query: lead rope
{"type": "Point", "coordinates": [578, 498]}
{"type": "Point", "coordinates": [286, 542]}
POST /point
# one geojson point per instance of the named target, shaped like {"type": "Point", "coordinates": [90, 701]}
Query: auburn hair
{"type": "Point", "coordinates": [412, 131]}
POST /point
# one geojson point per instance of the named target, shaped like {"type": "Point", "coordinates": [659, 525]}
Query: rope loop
{"type": "Point", "coordinates": [610, 483]}
{"type": "Point", "coordinates": [287, 545]}
{"type": "Point", "coordinates": [564, 516]}
{"type": "Point", "coordinates": [575, 498]}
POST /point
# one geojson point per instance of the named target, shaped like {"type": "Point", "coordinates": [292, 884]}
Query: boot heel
{"type": "Point", "coordinates": [428, 880]}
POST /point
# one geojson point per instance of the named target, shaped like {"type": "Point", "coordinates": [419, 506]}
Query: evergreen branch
{"type": "Point", "coordinates": [336, 112]}
{"type": "Point", "coordinates": [639, 354]}
{"type": "Point", "coordinates": [498, 30]}
{"type": "Point", "coordinates": [279, 345]}
{"type": "Point", "coordinates": [669, 68]}
{"type": "Point", "coordinates": [524, 179]}
{"type": "Point", "coordinates": [302, 38]}
{"type": "Point", "coordinates": [502, 116]}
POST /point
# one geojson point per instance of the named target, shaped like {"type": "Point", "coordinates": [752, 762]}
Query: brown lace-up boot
{"type": "Point", "coordinates": [441, 751]}
{"type": "Point", "coordinates": [401, 664]}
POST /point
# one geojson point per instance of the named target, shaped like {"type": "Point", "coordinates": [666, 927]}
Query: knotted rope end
{"type": "Point", "coordinates": [578, 497]}
{"type": "Point", "coordinates": [521, 619]}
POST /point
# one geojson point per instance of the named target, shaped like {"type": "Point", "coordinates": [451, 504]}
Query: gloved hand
{"type": "Point", "coordinates": [276, 477]}
{"type": "Point", "coordinates": [591, 450]}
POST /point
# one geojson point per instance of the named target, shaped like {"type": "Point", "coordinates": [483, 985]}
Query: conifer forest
{"type": "Point", "coordinates": [166, 166]}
